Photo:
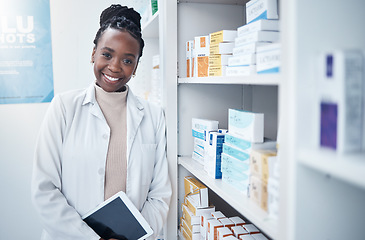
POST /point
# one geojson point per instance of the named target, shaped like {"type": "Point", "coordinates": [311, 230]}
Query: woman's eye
{"type": "Point", "coordinates": [127, 61]}
{"type": "Point", "coordinates": [107, 55]}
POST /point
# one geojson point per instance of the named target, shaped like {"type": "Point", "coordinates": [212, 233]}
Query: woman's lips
{"type": "Point", "coordinates": [110, 79]}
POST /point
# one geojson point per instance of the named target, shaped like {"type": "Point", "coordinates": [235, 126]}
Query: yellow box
{"type": "Point", "coordinates": [258, 192]}
{"type": "Point", "coordinates": [188, 215]}
{"type": "Point", "coordinates": [193, 187]}
{"type": "Point", "coordinates": [223, 36]}
{"type": "Point", "coordinates": [221, 48]}
{"type": "Point", "coordinates": [219, 59]}
{"type": "Point", "coordinates": [259, 162]}
{"type": "Point", "coordinates": [217, 71]}
{"type": "Point", "coordinates": [197, 211]}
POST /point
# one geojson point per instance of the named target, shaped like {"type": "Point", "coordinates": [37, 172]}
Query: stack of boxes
{"type": "Point", "coordinates": [200, 221]}
{"type": "Point", "coordinates": [262, 162]}
{"type": "Point", "coordinates": [200, 131]}
{"type": "Point", "coordinates": [221, 48]}
{"type": "Point", "coordinates": [196, 205]}
{"type": "Point", "coordinates": [254, 49]}
{"type": "Point", "coordinates": [244, 128]}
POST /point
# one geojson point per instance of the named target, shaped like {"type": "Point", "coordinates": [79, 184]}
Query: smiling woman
{"type": "Point", "coordinates": [102, 140]}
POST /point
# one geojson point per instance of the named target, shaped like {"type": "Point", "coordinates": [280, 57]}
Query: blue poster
{"type": "Point", "coordinates": [26, 72]}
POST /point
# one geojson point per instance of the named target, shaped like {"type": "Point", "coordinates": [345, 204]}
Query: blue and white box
{"type": "Point", "coordinates": [246, 125]}
{"type": "Point", "coordinates": [235, 152]}
{"type": "Point", "coordinates": [261, 9]}
{"type": "Point", "coordinates": [268, 58]}
{"type": "Point", "coordinates": [212, 156]}
{"type": "Point", "coordinates": [201, 127]}
{"type": "Point", "coordinates": [229, 162]}
{"type": "Point", "coordinates": [247, 146]}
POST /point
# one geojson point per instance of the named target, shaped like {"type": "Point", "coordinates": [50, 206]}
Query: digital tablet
{"type": "Point", "coordinates": [117, 217]}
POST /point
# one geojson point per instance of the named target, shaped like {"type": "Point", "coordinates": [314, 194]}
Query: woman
{"type": "Point", "coordinates": [96, 142]}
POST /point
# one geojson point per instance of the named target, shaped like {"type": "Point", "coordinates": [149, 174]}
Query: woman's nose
{"type": "Point", "coordinates": [114, 66]}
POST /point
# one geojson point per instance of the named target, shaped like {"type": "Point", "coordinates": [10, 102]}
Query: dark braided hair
{"type": "Point", "coordinates": [121, 18]}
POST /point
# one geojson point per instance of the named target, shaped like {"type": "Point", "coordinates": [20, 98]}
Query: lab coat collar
{"type": "Point", "coordinates": [135, 113]}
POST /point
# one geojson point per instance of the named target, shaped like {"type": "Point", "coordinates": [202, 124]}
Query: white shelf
{"type": "Point", "coordinates": [236, 199]}
{"type": "Point", "coordinates": [150, 29]}
{"type": "Point", "coordinates": [349, 167]}
{"type": "Point", "coordinates": [257, 79]}
{"type": "Point", "coordinates": [231, 2]}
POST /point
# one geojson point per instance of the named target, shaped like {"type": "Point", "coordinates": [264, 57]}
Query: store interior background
{"type": "Point", "coordinates": [73, 26]}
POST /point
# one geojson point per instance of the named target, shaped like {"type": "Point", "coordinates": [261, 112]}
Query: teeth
{"type": "Point", "coordinates": [111, 78]}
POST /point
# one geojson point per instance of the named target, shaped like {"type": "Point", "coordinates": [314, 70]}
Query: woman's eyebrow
{"type": "Point", "coordinates": [108, 48]}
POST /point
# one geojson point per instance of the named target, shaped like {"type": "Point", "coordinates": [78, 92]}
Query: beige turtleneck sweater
{"type": "Point", "coordinates": [114, 107]}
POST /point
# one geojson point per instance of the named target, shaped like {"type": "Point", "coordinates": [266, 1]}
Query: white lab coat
{"type": "Point", "coordinates": [69, 165]}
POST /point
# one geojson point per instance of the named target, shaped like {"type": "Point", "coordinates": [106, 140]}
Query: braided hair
{"type": "Point", "coordinates": [121, 18]}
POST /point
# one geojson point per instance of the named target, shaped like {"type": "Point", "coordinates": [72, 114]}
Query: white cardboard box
{"type": "Point", "coordinates": [259, 25]}
{"type": "Point", "coordinates": [268, 58]}
{"type": "Point", "coordinates": [246, 125]}
{"type": "Point", "coordinates": [258, 36]}
{"type": "Point", "coordinates": [261, 9]}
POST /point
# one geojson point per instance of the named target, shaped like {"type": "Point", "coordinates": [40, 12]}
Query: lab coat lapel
{"type": "Point", "coordinates": [134, 118]}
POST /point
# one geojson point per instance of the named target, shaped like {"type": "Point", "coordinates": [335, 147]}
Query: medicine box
{"type": "Point", "coordinates": [201, 127]}
{"type": "Point", "coordinates": [261, 9]}
{"type": "Point", "coordinates": [204, 226]}
{"type": "Point", "coordinates": [258, 192]}
{"type": "Point", "coordinates": [222, 48]}
{"type": "Point", "coordinates": [252, 229]}
{"type": "Point", "coordinates": [215, 71]}
{"type": "Point", "coordinates": [238, 231]}
{"type": "Point", "coordinates": [240, 70]}
{"type": "Point", "coordinates": [200, 56]}
{"type": "Point", "coordinates": [258, 36]}
{"type": "Point", "coordinates": [259, 236]}
{"type": "Point", "coordinates": [189, 56]}
{"type": "Point", "coordinates": [213, 226]}
{"type": "Point", "coordinates": [218, 60]}
{"type": "Point", "coordinates": [218, 215]}
{"type": "Point", "coordinates": [227, 222]}
{"type": "Point", "coordinates": [230, 237]}
{"type": "Point", "coordinates": [195, 187]}
{"type": "Point", "coordinates": [192, 203]}
{"type": "Point", "coordinates": [248, 146]}
{"type": "Point", "coordinates": [213, 150]}
{"type": "Point", "coordinates": [246, 125]}
{"type": "Point", "coordinates": [189, 235]}
{"type": "Point", "coordinates": [259, 25]}
{"type": "Point", "coordinates": [235, 152]}
{"type": "Point", "coordinates": [222, 36]}
{"type": "Point", "coordinates": [260, 162]}
{"type": "Point", "coordinates": [188, 215]}
{"type": "Point", "coordinates": [246, 237]}
{"type": "Point", "coordinates": [242, 60]}
{"type": "Point", "coordinates": [268, 58]}
{"type": "Point", "coordinates": [224, 232]}
{"type": "Point", "coordinates": [231, 162]}
{"type": "Point", "coordinates": [190, 228]}
{"type": "Point", "coordinates": [237, 221]}
{"type": "Point", "coordinates": [197, 157]}
{"type": "Point", "coordinates": [248, 48]}
{"type": "Point", "coordinates": [341, 84]}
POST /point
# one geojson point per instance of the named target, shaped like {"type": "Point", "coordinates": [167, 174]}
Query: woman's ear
{"type": "Point", "coordinates": [93, 56]}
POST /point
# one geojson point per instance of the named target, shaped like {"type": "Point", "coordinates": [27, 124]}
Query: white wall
{"type": "Point", "coordinates": [74, 25]}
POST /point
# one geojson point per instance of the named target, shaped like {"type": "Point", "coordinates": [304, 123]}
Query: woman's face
{"type": "Point", "coordinates": [115, 59]}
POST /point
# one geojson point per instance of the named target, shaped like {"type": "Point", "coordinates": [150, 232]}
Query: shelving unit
{"type": "Point", "coordinates": [320, 191]}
